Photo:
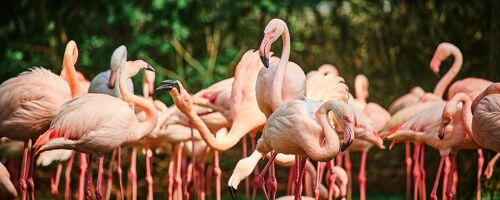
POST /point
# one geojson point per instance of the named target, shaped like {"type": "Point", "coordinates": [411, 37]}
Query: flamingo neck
{"type": "Point", "coordinates": [452, 106]}
{"type": "Point", "coordinates": [361, 90]}
{"type": "Point", "coordinates": [451, 74]}
{"type": "Point", "coordinates": [144, 127]}
{"type": "Point", "coordinates": [330, 135]}
{"type": "Point", "coordinates": [492, 89]}
{"type": "Point", "coordinates": [220, 144]}
{"type": "Point", "coordinates": [70, 71]}
{"type": "Point", "coordinates": [279, 75]}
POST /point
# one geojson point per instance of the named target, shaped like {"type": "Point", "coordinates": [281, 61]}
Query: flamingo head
{"type": "Point", "coordinates": [344, 116]}
{"type": "Point", "coordinates": [182, 99]}
{"type": "Point", "coordinates": [118, 58]}
{"type": "Point", "coordinates": [272, 32]}
{"type": "Point", "coordinates": [446, 122]}
{"type": "Point", "coordinates": [442, 52]}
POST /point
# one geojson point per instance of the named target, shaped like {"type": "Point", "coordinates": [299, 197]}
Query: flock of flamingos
{"type": "Point", "coordinates": [309, 123]}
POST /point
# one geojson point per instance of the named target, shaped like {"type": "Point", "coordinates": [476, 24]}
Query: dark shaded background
{"type": "Point", "coordinates": [199, 43]}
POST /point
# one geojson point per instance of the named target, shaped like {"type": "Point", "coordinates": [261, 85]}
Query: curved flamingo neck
{"type": "Point", "coordinates": [279, 75]}
{"type": "Point", "coordinates": [452, 106]}
{"type": "Point", "coordinates": [451, 74]}
{"type": "Point", "coordinates": [237, 131]}
{"type": "Point", "coordinates": [492, 89]}
{"type": "Point", "coordinates": [144, 127]}
{"type": "Point", "coordinates": [329, 133]}
{"type": "Point", "coordinates": [70, 56]}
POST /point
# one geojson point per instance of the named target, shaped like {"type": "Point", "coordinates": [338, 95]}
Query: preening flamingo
{"type": "Point", "coordinates": [29, 102]}
{"type": "Point", "coordinates": [485, 126]}
{"type": "Point", "coordinates": [280, 82]}
{"type": "Point", "coordinates": [7, 189]}
{"type": "Point", "coordinates": [104, 82]}
{"type": "Point", "coordinates": [406, 100]}
{"type": "Point", "coordinates": [105, 122]}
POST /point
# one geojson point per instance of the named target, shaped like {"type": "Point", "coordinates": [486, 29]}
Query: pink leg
{"type": "Point", "coordinates": [449, 194]}
{"type": "Point", "coordinates": [480, 162]}
{"type": "Point", "coordinates": [348, 169]}
{"type": "Point", "coordinates": [362, 176]}
{"type": "Point", "coordinates": [209, 180]}
{"type": "Point", "coordinates": [120, 171]}
{"type": "Point", "coordinates": [416, 171]}
{"type": "Point", "coordinates": [23, 186]}
{"type": "Point", "coordinates": [319, 176]}
{"type": "Point", "coordinates": [88, 194]}
{"type": "Point", "coordinates": [256, 169]}
{"type": "Point", "coordinates": [149, 178]}
{"type": "Point", "coordinates": [260, 178]}
{"type": "Point", "coordinates": [307, 183]}
{"type": "Point", "coordinates": [298, 192]}
{"type": "Point", "coordinates": [83, 171]}
{"type": "Point", "coordinates": [29, 181]}
{"type": "Point", "coordinates": [331, 180]}
{"type": "Point", "coordinates": [111, 166]}
{"type": "Point", "coordinates": [423, 193]}
{"type": "Point", "coordinates": [171, 165]}
{"type": "Point", "coordinates": [272, 183]}
{"type": "Point", "coordinates": [408, 169]}
{"type": "Point", "coordinates": [178, 179]}
{"type": "Point", "coordinates": [132, 175]}
{"type": "Point", "coordinates": [217, 172]}
{"type": "Point", "coordinates": [100, 171]}
{"type": "Point", "coordinates": [67, 176]}
{"type": "Point", "coordinates": [491, 165]}
{"type": "Point", "coordinates": [436, 181]}
{"type": "Point", "coordinates": [245, 153]}
{"type": "Point", "coordinates": [447, 167]}
{"type": "Point", "coordinates": [54, 182]}
{"type": "Point", "coordinates": [291, 179]}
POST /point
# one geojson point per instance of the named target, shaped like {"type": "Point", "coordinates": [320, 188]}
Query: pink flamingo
{"type": "Point", "coordinates": [485, 131]}
{"type": "Point", "coordinates": [406, 100]}
{"type": "Point", "coordinates": [29, 102]}
{"type": "Point", "coordinates": [92, 135]}
{"type": "Point", "coordinates": [279, 82]}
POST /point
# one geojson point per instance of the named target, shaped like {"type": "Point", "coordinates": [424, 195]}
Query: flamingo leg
{"type": "Point", "coordinates": [189, 176]}
{"type": "Point", "coordinates": [447, 167]}
{"type": "Point", "coordinates": [178, 179]}
{"type": "Point", "coordinates": [120, 171]}
{"type": "Point", "coordinates": [416, 171]}
{"type": "Point", "coordinates": [54, 182]}
{"type": "Point", "coordinates": [319, 175]}
{"type": "Point", "coordinates": [23, 186]}
{"type": "Point", "coordinates": [306, 184]}
{"type": "Point", "coordinates": [245, 153]}
{"type": "Point", "coordinates": [109, 184]}
{"type": "Point", "coordinates": [408, 169]}
{"type": "Point", "coordinates": [83, 171]}
{"type": "Point", "coordinates": [88, 194]}
{"type": "Point", "coordinates": [29, 181]}
{"type": "Point", "coordinates": [256, 169]}
{"type": "Point", "coordinates": [362, 176]}
{"type": "Point", "coordinates": [449, 194]}
{"type": "Point", "coordinates": [132, 175]}
{"type": "Point", "coordinates": [291, 178]}
{"type": "Point", "coordinates": [260, 177]}
{"type": "Point", "coordinates": [422, 173]}
{"type": "Point", "coordinates": [67, 177]}
{"type": "Point", "coordinates": [171, 164]}
{"type": "Point", "coordinates": [209, 180]}
{"type": "Point", "coordinates": [480, 162]}
{"type": "Point", "coordinates": [100, 171]}
{"type": "Point", "coordinates": [348, 168]}
{"type": "Point", "coordinates": [489, 168]}
{"type": "Point", "coordinates": [436, 181]}
{"type": "Point", "coordinates": [331, 180]}
{"type": "Point", "coordinates": [298, 191]}
{"type": "Point", "coordinates": [271, 182]}
{"type": "Point", "coordinates": [149, 178]}
{"type": "Point", "coordinates": [217, 172]}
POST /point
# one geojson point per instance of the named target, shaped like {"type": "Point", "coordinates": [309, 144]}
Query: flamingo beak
{"type": "Point", "coordinates": [232, 191]}
{"type": "Point", "coordinates": [168, 85]}
{"type": "Point", "coordinates": [265, 47]}
{"type": "Point", "coordinates": [435, 64]}
{"type": "Point", "coordinates": [441, 132]}
{"type": "Point", "coordinates": [150, 68]}
{"type": "Point", "coordinates": [112, 79]}
{"type": "Point", "coordinates": [348, 136]}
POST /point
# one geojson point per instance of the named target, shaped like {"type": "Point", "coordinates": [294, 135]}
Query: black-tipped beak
{"type": "Point", "coordinates": [232, 191]}
{"type": "Point", "coordinates": [150, 68]}
{"type": "Point", "coordinates": [441, 133]}
{"type": "Point", "coordinates": [168, 85]}
{"type": "Point", "coordinates": [265, 61]}
{"type": "Point", "coordinates": [348, 133]}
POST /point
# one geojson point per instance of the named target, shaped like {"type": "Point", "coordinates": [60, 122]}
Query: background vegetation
{"type": "Point", "coordinates": [200, 41]}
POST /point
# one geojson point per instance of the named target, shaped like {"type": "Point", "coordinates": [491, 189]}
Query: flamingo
{"type": "Point", "coordinates": [7, 189]}
{"type": "Point", "coordinates": [29, 102]}
{"type": "Point", "coordinates": [406, 100]}
{"type": "Point", "coordinates": [279, 82]}
{"type": "Point", "coordinates": [105, 122]}
{"type": "Point", "coordinates": [324, 69]}
{"type": "Point", "coordinates": [485, 131]}
{"type": "Point", "coordinates": [445, 121]}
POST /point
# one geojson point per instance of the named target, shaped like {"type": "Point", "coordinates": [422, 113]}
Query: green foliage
{"type": "Point", "coordinates": [200, 42]}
